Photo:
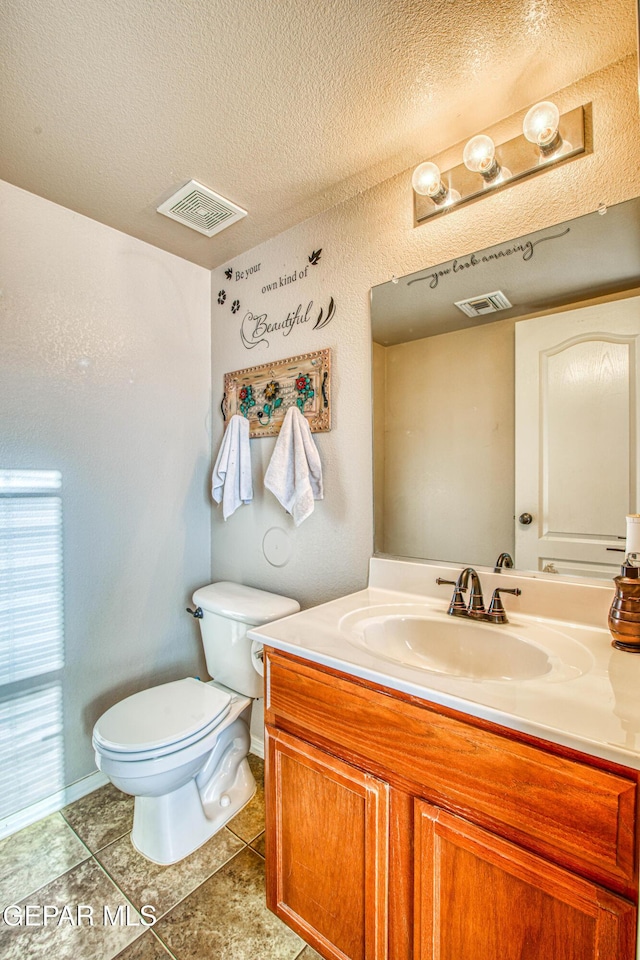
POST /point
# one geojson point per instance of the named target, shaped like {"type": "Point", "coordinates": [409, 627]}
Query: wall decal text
{"type": "Point", "coordinates": [526, 248]}
{"type": "Point", "coordinates": [256, 329]}
{"type": "Point", "coordinates": [285, 279]}
{"type": "Point", "coordinates": [244, 274]}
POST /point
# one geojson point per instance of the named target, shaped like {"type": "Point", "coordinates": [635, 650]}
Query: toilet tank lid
{"type": "Point", "coordinates": [246, 604]}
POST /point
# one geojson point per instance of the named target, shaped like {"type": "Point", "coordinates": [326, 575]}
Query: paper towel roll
{"type": "Point", "coordinates": [633, 533]}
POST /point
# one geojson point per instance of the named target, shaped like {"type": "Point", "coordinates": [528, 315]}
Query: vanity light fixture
{"type": "Point", "coordinates": [548, 138]}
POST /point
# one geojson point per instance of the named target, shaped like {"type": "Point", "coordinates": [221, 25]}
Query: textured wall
{"type": "Point", "coordinates": [104, 375]}
{"type": "Point", "coordinates": [365, 241]}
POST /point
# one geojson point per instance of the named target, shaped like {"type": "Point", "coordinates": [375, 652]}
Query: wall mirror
{"type": "Point", "coordinates": [506, 401]}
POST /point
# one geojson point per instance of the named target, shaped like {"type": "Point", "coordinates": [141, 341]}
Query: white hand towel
{"type": "Point", "coordinates": [231, 481]}
{"type": "Point", "coordinates": [294, 474]}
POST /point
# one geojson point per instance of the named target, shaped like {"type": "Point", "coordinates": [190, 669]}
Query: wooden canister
{"type": "Point", "coordinates": [624, 615]}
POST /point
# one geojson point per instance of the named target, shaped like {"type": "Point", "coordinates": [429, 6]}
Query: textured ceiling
{"type": "Point", "coordinates": [285, 107]}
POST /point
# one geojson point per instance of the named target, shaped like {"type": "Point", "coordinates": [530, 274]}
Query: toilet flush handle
{"type": "Point", "coordinates": [197, 613]}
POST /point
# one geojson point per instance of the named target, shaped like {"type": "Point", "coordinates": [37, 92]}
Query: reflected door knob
{"type": "Point", "coordinates": [525, 519]}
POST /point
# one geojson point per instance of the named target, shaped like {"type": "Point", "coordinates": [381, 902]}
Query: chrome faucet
{"type": "Point", "coordinates": [474, 609]}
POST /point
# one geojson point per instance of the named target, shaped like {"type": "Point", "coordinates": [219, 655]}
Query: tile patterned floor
{"type": "Point", "coordinates": [209, 906]}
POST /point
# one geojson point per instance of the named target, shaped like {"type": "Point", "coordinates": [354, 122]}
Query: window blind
{"type": "Point", "coordinates": [31, 748]}
{"type": "Point", "coordinates": [31, 584]}
{"type": "Point", "coordinates": [31, 638]}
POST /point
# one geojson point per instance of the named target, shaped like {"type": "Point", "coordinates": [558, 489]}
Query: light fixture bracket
{"type": "Point", "coordinates": [519, 156]}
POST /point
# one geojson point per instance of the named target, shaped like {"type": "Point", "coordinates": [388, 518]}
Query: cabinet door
{"type": "Point", "coordinates": [327, 830]}
{"type": "Point", "coordinates": [478, 896]}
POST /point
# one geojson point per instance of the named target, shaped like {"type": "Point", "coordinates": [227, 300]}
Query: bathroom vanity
{"type": "Point", "coordinates": [428, 811]}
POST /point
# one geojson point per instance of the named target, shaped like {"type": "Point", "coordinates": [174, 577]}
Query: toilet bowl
{"type": "Point", "coordinates": [180, 748]}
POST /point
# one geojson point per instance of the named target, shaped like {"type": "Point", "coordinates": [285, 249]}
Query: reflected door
{"type": "Point", "coordinates": [576, 438]}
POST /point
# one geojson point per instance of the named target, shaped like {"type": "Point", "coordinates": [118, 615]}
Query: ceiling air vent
{"type": "Point", "coordinates": [201, 209]}
{"type": "Point", "coordinates": [485, 303]}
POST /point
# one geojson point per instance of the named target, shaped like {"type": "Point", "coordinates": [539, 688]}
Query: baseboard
{"type": "Point", "coordinates": [257, 747]}
{"type": "Point", "coordinates": [35, 812]}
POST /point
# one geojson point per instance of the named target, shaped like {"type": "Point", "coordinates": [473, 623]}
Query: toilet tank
{"type": "Point", "coordinates": [228, 611]}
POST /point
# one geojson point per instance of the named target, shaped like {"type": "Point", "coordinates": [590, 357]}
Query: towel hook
{"type": "Point", "coordinates": [324, 389]}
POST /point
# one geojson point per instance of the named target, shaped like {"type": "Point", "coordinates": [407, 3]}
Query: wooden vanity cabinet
{"type": "Point", "coordinates": [398, 829]}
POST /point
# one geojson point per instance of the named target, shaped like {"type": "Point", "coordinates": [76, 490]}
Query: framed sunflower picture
{"type": "Point", "coordinates": [264, 394]}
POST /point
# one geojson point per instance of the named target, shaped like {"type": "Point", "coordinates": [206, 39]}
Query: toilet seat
{"type": "Point", "coordinates": [161, 720]}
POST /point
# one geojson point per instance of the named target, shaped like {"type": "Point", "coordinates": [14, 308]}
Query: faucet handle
{"type": "Point", "coordinates": [496, 612]}
{"type": "Point", "coordinates": [457, 607]}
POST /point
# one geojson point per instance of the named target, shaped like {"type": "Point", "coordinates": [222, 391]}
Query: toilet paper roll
{"type": "Point", "coordinates": [256, 656]}
{"type": "Point", "coordinates": [633, 533]}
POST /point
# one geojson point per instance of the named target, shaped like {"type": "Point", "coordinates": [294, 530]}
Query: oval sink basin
{"type": "Point", "coordinates": [455, 647]}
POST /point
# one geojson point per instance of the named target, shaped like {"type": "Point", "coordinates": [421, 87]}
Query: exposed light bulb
{"type": "Point", "coordinates": [480, 157]}
{"type": "Point", "coordinates": [480, 154]}
{"type": "Point", "coordinates": [541, 125]}
{"type": "Point", "coordinates": [426, 181]}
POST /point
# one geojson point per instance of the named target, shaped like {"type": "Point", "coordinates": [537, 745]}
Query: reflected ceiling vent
{"type": "Point", "coordinates": [485, 303]}
{"type": "Point", "coordinates": [201, 209]}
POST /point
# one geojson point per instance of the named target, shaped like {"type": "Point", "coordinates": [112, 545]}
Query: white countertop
{"type": "Point", "coordinates": [596, 711]}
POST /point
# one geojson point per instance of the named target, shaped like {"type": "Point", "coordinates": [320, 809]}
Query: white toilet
{"type": "Point", "coordinates": [181, 748]}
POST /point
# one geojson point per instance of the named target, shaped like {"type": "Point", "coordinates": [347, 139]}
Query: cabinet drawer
{"type": "Point", "coordinates": [577, 814]}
